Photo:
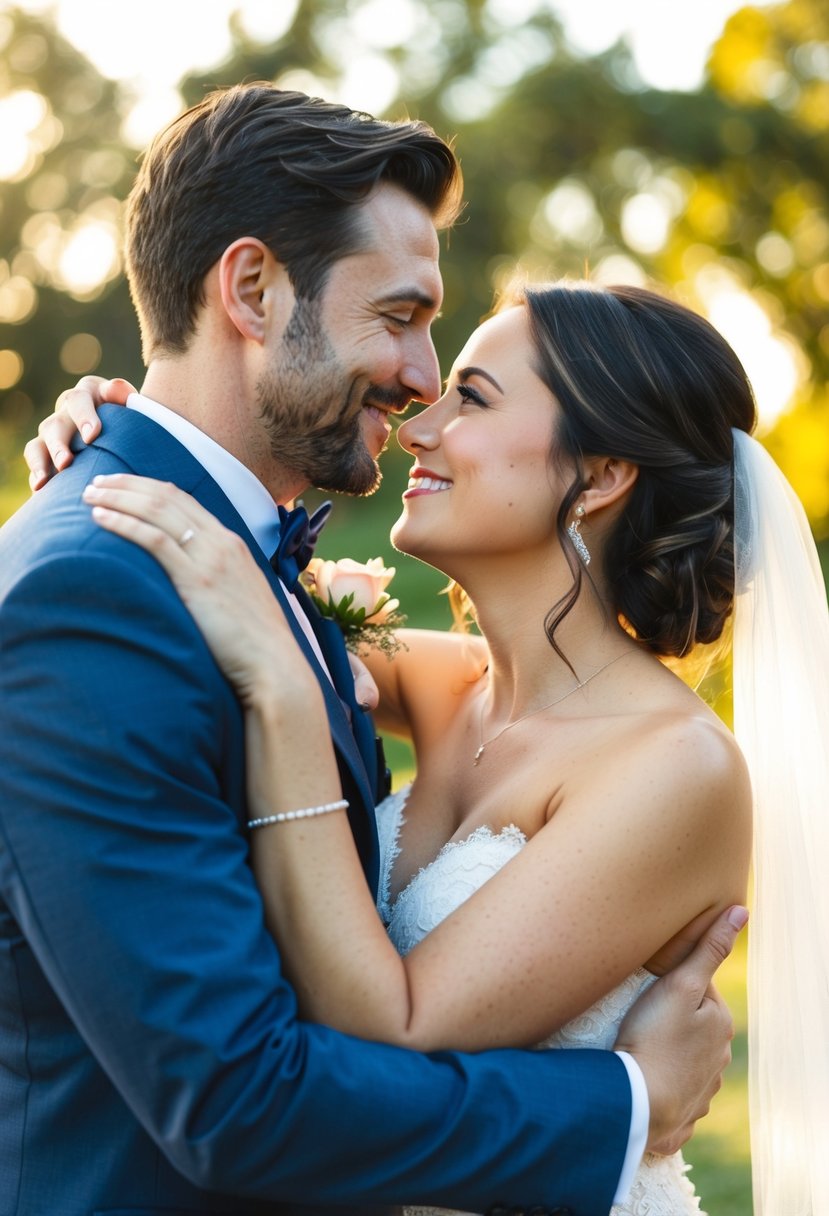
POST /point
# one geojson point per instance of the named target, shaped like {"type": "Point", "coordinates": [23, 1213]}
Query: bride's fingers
{"type": "Point", "coordinates": [169, 553]}
{"type": "Point", "coordinates": [170, 521]}
{"type": "Point", "coordinates": [227, 594]}
{"type": "Point", "coordinates": [75, 412]}
{"type": "Point", "coordinates": [208, 570]}
{"type": "Point", "coordinates": [115, 391]}
{"type": "Point", "coordinates": [177, 530]}
{"type": "Point", "coordinates": [50, 451]}
{"type": "Point", "coordinates": [152, 487]}
{"type": "Point", "coordinates": [159, 493]}
{"type": "Point", "coordinates": [156, 502]}
{"type": "Point", "coordinates": [41, 468]}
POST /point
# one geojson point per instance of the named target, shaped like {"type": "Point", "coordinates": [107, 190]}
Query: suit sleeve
{"type": "Point", "coordinates": [126, 869]}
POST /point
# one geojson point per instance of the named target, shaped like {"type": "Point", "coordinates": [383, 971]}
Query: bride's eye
{"type": "Point", "coordinates": [470, 394]}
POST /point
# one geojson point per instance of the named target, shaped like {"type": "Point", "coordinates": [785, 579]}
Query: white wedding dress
{"type": "Point", "coordinates": [460, 868]}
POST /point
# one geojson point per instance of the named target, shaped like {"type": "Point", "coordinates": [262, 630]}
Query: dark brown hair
{"type": "Point", "coordinates": [288, 169]}
{"type": "Point", "coordinates": [643, 379]}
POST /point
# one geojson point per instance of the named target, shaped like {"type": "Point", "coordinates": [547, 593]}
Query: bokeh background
{"type": "Point", "coordinates": [681, 145]}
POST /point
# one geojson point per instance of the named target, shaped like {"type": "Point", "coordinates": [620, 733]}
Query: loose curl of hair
{"type": "Point", "coordinates": [643, 379]}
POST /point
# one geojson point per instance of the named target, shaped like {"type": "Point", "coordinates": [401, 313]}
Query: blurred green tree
{"type": "Point", "coordinates": [573, 166]}
{"type": "Point", "coordinates": [64, 170]}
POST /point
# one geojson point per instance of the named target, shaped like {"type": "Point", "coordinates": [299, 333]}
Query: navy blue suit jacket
{"type": "Point", "coordinates": [151, 1059]}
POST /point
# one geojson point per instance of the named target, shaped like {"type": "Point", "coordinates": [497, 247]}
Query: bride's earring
{"type": "Point", "coordinates": [576, 537]}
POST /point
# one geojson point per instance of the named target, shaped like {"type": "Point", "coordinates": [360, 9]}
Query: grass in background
{"type": "Point", "coordinates": [719, 1150]}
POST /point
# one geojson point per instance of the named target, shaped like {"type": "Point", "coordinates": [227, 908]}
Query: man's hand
{"type": "Point", "coordinates": [75, 411]}
{"type": "Point", "coordinates": [680, 1035]}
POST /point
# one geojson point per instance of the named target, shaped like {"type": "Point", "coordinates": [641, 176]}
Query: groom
{"type": "Point", "coordinates": [283, 260]}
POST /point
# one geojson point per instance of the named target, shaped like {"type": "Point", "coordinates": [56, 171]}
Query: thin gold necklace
{"type": "Point", "coordinates": [541, 708]}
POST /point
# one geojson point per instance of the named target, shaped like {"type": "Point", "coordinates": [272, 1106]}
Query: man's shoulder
{"type": "Point", "coordinates": [56, 522]}
{"type": "Point", "coordinates": [56, 562]}
{"type": "Point", "coordinates": [73, 588]}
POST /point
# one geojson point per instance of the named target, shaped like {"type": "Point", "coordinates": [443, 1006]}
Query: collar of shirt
{"type": "Point", "coordinates": [244, 490]}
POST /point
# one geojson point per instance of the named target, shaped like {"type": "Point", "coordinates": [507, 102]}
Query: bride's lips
{"type": "Point", "coordinates": [425, 481]}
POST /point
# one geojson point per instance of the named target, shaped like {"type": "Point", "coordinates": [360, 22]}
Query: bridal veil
{"type": "Point", "coordinates": [781, 720]}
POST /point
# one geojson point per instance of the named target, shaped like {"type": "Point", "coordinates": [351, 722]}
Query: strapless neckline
{"type": "Point", "coordinates": [391, 817]}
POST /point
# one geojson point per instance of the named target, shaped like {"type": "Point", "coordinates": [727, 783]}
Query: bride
{"type": "Point", "coordinates": [578, 811]}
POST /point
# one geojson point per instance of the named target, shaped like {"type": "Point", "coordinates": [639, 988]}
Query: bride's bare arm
{"type": "Point", "coordinates": [425, 678]}
{"type": "Point", "coordinates": [557, 927]}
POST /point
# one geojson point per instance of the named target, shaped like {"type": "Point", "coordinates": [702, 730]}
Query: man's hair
{"type": "Point", "coordinates": [285, 168]}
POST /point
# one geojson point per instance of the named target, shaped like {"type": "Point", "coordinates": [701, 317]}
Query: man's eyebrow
{"type": "Point", "coordinates": [466, 372]}
{"type": "Point", "coordinates": [410, 295]}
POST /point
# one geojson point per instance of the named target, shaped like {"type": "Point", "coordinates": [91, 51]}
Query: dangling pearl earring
{"type": "Point", "coordinates": [576, 537]}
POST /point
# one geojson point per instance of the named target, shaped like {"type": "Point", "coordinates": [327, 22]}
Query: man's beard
{"type": "Point", "coordinates": [295, 401]}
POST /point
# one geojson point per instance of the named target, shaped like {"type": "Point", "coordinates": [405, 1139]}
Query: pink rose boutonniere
{"type": "Point", "coordinates": [354, 595]}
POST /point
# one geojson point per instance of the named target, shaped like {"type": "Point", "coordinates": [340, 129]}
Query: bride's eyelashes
{"type": "Point", "coordinates": [468, 394]}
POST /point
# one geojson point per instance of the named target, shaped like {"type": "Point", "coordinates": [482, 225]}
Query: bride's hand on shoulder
{"type": "Point", "coordinates": [217, 578]}
{"type": "Point", "coordinates": [75, 413]}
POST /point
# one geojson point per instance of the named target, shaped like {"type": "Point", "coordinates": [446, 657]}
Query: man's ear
{"type": "Point", "coordinates": [255, 289]}
{"type": "Point", "coordinates": [608, 481]}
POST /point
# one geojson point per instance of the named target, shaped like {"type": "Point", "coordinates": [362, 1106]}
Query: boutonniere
{"type": "Point", "coordinates": [354, 595]}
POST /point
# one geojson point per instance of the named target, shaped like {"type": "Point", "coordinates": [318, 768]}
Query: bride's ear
{"type": "Point", "coordinates": [609, 481]}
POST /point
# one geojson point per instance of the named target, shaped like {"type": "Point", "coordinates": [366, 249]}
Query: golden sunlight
{"type": "Point", "coordinates": [27, 129]}
{"type": "Point", "coordinates": [775, 365]}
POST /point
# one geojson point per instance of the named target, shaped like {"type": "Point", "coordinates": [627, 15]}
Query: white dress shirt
{"type": "Point", "coordinates": [259, 512]}
{"type": "Point", "coordinates": [640, 1117]}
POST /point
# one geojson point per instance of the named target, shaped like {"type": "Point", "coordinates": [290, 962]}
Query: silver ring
{"type": "Point", "coordinates": [186, 537]}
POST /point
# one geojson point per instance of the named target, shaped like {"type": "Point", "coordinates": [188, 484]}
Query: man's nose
{"type": "Point", "coordinates": [421, 372]}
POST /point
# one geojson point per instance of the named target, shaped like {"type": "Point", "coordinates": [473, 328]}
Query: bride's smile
{"type": "Point", "coordinates": [483, 455]}
{"type": "Point", "coordinates": [424, 481]}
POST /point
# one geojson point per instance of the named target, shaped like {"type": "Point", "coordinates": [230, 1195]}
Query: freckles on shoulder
{"type": "Point", "coordinates": [700, 778]}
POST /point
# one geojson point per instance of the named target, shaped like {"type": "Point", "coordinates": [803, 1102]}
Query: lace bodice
{"type": "Point", "coordinates": [435, 891]}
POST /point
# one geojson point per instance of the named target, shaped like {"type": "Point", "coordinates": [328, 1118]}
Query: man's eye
{"type": "Point", "coordinates": [401, 321]}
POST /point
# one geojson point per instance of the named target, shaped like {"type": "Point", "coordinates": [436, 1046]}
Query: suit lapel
{"type": "Point", "coordinates": [334, 652]}
{"type": "Point", "coordinates": [150, 450]}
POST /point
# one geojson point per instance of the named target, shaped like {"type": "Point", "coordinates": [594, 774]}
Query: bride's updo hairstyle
{"type": "Point", "coordinates": [643, 379]}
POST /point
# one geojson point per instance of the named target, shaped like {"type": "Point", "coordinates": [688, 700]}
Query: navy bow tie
{"type": "Point", "coordinates": [298, 533]}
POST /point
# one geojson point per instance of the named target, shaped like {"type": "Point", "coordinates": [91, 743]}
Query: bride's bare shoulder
{"type": "Point", "coordinates": [666, 723]}
{"type": "Point", "coordinates": [667, 762]}
{"type": "Point", "coordinates": [683, 764]}
{"type": "Point", "coordinates": [692, 740]}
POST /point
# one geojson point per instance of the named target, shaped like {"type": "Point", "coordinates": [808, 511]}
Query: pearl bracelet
{"type": "Point", "coordinates": [306, 812]}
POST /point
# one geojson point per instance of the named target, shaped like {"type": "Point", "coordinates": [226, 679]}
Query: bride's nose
{"type": "Point", "coordinates": [422, 431]}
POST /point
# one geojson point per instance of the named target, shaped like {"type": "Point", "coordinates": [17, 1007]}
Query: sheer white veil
{"type": "Point", "coordinates": [781, 720]}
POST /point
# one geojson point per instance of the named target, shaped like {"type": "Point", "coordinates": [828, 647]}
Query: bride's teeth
{"type": "Point", "coordinates": [428, 483]}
